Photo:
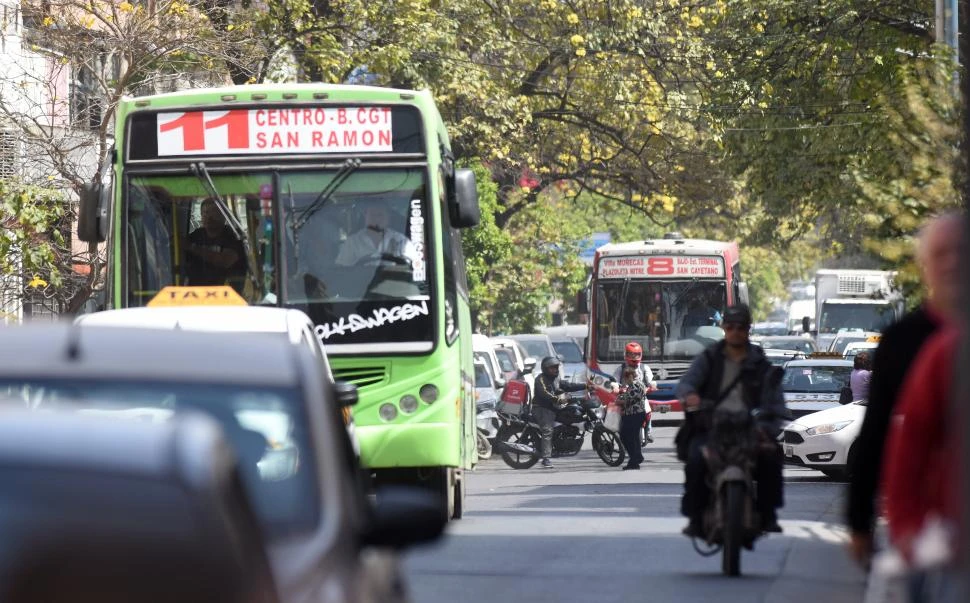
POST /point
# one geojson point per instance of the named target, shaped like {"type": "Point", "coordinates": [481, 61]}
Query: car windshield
{"type": "Point", "coordinates": [506, 360]}
{"type": "Point", "coordinates": [569, 351]}
{"type": "Point", "coordinates": [797, 344]}
{"type": "Point", "coordinates": [867, 317]}
{"type": "Point", "coordinates": [266, 426]}
{"type": "Point", "coordinates": [670, 320]}
{"type": "Point", "coordinates": [482, 377]}
{"type": "Point", "coordinates": [816, 379]}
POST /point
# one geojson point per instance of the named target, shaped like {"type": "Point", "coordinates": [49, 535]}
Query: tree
{"type": "Point", "coordinates": [58, 97]}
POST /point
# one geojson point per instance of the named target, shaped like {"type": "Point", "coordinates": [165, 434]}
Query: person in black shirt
{"type": "Point", "coordinates": [939, 256]}
{"type": "Point", "coordinates": [214, 254]}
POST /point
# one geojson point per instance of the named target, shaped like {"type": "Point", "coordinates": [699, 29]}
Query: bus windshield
{"type": "Point", "coordinates": [672, 320]}
{"type": "Point", "coordinates": [345, 246]}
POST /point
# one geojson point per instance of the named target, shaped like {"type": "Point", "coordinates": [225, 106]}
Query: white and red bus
{"type": "Point", "coordinates": [667, 294]}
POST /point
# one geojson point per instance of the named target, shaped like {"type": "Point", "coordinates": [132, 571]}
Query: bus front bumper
{"type": "Point", "coordinates": [410, 445]}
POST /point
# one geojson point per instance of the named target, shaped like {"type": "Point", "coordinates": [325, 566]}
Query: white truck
{"type": "Point", "coordinates": [864, 300]}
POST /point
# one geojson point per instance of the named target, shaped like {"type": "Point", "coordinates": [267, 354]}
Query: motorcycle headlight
{"type": "Point", "coordinates": [827, 428]}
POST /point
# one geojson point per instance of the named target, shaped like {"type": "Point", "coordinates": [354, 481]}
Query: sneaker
{"type": "Point", "coordinates": [546, 464]}
{"type": "Point", "coordinates": [693, 530]}
{"type": "Point", "coordinates": [628, 467]}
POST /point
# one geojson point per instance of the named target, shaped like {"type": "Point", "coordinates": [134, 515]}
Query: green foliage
{"type": "Point", "coordinates": [31, 239]}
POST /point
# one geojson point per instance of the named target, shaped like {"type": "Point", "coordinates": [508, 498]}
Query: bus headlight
{"type": "Point", "coordinates": [387, 411]}
{"type": "Point", "coordinates": [408, 404]}
{"type": "Point", "coordinates": [429, 393]}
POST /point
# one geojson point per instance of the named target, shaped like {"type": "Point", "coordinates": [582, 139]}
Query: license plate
{"type": "Point", "coordinates": [789, 451]}
{"type": "Point", "coordinates": [661, 408]}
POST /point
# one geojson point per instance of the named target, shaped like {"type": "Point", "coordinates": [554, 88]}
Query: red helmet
{"type": "Point", "coordinates": [633, 353]}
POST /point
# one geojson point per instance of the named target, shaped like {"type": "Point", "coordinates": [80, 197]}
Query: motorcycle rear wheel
{"type": "Point", "coordinates": [733, 506]}
{"type": "Point", "coordinates": [608, 447]}
{"type": "Point", "coordinates": [528, 436]}
{"type": "Point", "coordinates": [484, 446]}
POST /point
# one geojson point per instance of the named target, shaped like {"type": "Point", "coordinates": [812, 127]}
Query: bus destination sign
{"type": "Point", "coordinates": [661, 266]}
{"type": "Point", "coordinates": [276, 131]}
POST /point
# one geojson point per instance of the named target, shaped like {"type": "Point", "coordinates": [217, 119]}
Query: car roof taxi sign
{"type": "Point", "coordinates": [219, 295]}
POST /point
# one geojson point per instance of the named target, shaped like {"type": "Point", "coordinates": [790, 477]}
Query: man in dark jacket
{"type": "Point", "coordinates": [550, 394]}
{"type": "Point", "coordinates": [939, 255]}
{"type": "Point", "coordinates": [732, 374]}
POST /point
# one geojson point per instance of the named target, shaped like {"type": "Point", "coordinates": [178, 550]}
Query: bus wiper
{"type": "Point", "coordinates": [199, 170]}
{"type": "Point", "coordinates": [349, 167]}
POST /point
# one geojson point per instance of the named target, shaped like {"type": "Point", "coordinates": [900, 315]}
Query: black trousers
{"type": "Point", "coordinates": [770, 487]}
{"type": "Point", "coordinates": [630, 436]}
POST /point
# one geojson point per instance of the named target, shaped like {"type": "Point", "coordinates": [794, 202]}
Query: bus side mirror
{"type": "Point", "coordinates": [345, 393]}
{"type": "Point", "coordinates": [92, 219]}
{"type": "Point", "coordinates": [463, 203]}
{"type": "Point", "coordinates": [743, 293]}
{"type": "Point", "coordinates": [806, 324]}
{"type": "Point", "coordinates": [582, 307]}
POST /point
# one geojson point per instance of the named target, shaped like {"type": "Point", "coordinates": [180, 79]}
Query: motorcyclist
{"type": "Point", "coordinates": [735, 374]}
{"type": "Point", "coordinates": [550, 395]}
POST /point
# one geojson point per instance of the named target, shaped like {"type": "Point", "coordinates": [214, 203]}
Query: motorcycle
{"type": "Point", "coordinates": [487, 422]}
{"type": "Point", "coordinates": [518, 440]}
{"type": "Point", "coordinates": [731, 520]}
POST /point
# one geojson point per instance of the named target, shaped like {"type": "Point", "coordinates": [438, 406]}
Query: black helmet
{"type": "Point", "coordinates": [738, 313]}
{"type": "Point", "coordinates": [549, 362]}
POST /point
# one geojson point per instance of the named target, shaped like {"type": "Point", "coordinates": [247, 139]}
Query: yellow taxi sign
{"type": "Point", "coordinates": [216, 295]}
{"type": "Point", "coordinates": [873, 338]}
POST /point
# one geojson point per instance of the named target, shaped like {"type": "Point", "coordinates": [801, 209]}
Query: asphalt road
{"type": "Point", "coordinates": [587, 533]}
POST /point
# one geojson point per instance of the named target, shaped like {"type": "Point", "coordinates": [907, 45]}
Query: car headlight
{"type": "Point", "coordinates": [827, 428]}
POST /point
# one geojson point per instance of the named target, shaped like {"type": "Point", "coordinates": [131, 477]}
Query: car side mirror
{"type": "Point", "coordinates": [500, 383]}
{"type": "Point", "coordinates": [345, 393]}
{"type": "Point", "coordinates": [405, 516]}
{"type": "Point", "coordinates": [530, 364]}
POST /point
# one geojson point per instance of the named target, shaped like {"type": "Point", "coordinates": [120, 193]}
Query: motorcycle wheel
{"type": "Point", "coordinates": [733, 528]}
{"type": "Point", "coordinates": [608, 447]}
{"type": "Point", "coordinates": [484, 446]}
{"type": "Point", "coordinates": [528, 436]}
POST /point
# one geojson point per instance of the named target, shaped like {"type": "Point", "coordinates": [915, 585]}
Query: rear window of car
{"type": "Point", "coordinates": [569, 351]}
{"type": "Point", "coordinates": [482, 378]}
{"type": "Point", "coordinates": [536, 348]}
{"type": "Point", "coordinates": [816, 379]}
{"type": "Point", "coordinates": [266, 426]}
{"type": "Point", "coordinates": [798, 344]}
{"type": "Point", "coordinates": [505, 360]}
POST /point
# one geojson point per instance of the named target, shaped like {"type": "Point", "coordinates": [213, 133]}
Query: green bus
{"type": "Point", "coordinates": [341, 201]}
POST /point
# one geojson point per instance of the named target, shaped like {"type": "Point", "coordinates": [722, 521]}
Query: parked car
{"type": "Point", "coordinates": [315, 516]}
{"type": "Point", "coordinates": [814, 384]}
{"type": "Point", "coordinates": [825, 440]}
{"type": "Point", "coordinates": [781, 357]}
{"type": "Point", "coordinates": [853, 348]}
{"type": "Point", "coordinates": [483, 350]}
{"type": "Point", "coordinates": [795, 343]}
{"type": "Point", "coordinates": [573, 365]}
{"type": "Point", "coordinates": [844, 338]}
{"type": "Point", "coordinates": [295, 326]}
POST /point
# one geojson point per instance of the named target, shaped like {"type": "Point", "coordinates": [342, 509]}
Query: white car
{"type": "Point", "coordinates": [823, 440]}
{"type": "Point", "coordinates": [851, 350]}
{"type": "Point", "coordinates": [296, 325]}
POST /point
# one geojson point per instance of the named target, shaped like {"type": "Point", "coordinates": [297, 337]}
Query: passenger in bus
{"type": "Point", "coordinates": [214, 255]}
{"type": "Point", "coordinates": [376, 241]}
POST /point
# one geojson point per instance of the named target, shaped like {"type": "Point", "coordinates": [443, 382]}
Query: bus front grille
{"type": "Point", "coordinates": [361, 376]}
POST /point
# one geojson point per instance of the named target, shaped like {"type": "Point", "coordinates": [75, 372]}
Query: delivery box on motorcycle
{"type": "Point", "coordinates": [515, 395]}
